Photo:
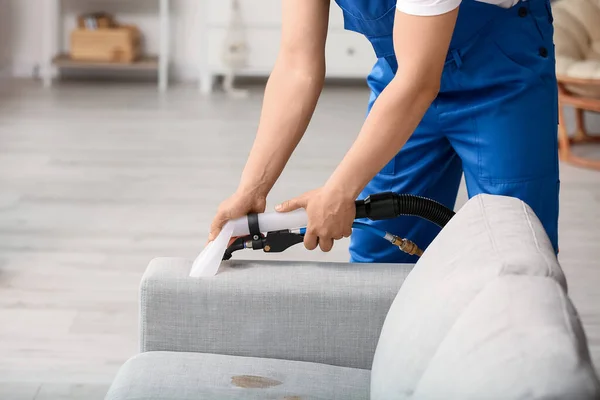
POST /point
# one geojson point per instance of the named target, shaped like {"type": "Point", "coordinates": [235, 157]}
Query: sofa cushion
{"type": "Point", "coordinates": [196, 376]}
{"type": "Point", "coordinates": [490, 236]}
{"type": "Point", "coordinates": [520, 338]}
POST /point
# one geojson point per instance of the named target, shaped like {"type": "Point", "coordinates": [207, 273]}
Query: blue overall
{"type": "Point", "coordinates": [495, 117]}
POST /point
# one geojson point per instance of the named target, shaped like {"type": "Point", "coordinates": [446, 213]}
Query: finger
{"type": "Point", "coordinates": [214, 232]}
{"type": "Point", "coordinates": [216, 226]}
{"type": "Point", "coordinates": [338, 237]}
{"type": "Point", "coordinates": [310, 241]}
{"type": "Point", "coordinates": [291, 205]}
{"type": "Point", "coordinates": [326, 244]}
{"type": "Point", "coordinates": [347, 232]}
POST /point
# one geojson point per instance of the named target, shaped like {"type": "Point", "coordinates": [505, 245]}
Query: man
{"type": "Point", "coordinates": [458, 87]}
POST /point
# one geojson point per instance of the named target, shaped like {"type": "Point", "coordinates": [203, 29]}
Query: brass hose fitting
{"type": "Point", "coordinates": [407, 246]}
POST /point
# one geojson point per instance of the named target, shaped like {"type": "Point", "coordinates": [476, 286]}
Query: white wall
{"type": "Point", "coordinates": [5, 33]}
{"type": "Point", "coordinates": [21, 24]}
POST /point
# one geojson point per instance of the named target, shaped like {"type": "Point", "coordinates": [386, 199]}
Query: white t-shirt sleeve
{"type": "Point", "coordinates": [427, 7]}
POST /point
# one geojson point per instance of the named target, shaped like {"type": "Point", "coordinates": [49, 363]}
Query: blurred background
{"type": "Point", "coordinates": [123, 124]}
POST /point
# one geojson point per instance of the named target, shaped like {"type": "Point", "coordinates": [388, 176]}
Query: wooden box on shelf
{"type": "Point", "coordinates": [117, 45]}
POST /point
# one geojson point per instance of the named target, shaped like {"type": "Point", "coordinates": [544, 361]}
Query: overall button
{"type": "Point", "coordinates": [543, 52]}
{"type": "Point", "coordinates": [522, 12]}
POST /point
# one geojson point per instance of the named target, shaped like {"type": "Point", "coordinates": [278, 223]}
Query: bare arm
{"type": "Point", "coordinates": [290, 100]}
{"type": "Point", "coordinates": [291, 94]}
{"type": "Point", "coordinates": [421, 45]}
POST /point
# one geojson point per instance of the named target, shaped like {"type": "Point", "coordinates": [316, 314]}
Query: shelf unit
{"type": "Point", "coordinates": [145, 63]}
{"type": "Point", "coordinates": [53, 60]}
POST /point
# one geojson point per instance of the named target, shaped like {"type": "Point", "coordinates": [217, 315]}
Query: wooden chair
{"type": "Point", "coordinates": [577, 44]}
{"type": "Point", "coordinates": [580, 103]}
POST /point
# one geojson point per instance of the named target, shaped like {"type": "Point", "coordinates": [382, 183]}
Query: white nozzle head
{"type": "Point", "coordinates": [208, 261]}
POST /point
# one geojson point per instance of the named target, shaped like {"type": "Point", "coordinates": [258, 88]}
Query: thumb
{"type": "Point", "coordinates": [291, 205]}
{"type": "Point", "coordinates": [216, 226]}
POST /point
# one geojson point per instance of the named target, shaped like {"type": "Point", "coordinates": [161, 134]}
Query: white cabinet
{"type": "Point", "coordinates": [260, 13]}
{"type": "Point", "coordinates": [348, 54]}
{"type": "Point", "coordinates": [263, 44]}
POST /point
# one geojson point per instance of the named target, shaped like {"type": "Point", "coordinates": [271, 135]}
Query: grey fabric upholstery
{"type": "Point", "coordinates": [316, 312]}
{"type": "Point", "coordinates": [483, 315]}
{"type": "Point", "coordinates": [519, 339]}
{"type": "Point", "coordinates": [195, 376]}
{"type": "Point", "coordinates": [441, 316]}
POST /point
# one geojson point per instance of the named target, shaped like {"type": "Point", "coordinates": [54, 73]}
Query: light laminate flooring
{"type": "Point", "coordinates": [97, 179]}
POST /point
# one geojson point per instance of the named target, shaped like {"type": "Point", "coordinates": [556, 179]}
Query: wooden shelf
{"type": "Point", "coordinates": [145, 63]}
{"type": "Point", "coordinates": [52, 44]}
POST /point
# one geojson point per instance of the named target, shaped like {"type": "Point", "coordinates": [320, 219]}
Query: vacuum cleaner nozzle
{"type": "Point", "coordinates": [282, 228]}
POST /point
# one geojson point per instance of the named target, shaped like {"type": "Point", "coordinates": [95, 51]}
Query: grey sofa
{"type": "Point", "coordinates": [484, 314]}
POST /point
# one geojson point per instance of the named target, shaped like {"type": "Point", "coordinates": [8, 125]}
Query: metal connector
{"type": "Point", "coordinates": [405, 245]}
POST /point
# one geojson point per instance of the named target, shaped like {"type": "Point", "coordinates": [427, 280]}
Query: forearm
{"type": "Point", "coordinates": [290, 98]}
{"type": "Point", "coordinates": [393, 118]}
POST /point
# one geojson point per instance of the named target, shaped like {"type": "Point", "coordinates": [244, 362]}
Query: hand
{"type": "Point", "coordinates": [330, 212]}
{"type": "Point", "coordinates": [240, 204]}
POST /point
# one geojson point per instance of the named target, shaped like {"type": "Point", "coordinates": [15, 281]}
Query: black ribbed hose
{"type": "Point", "coordinates": [390, 205]}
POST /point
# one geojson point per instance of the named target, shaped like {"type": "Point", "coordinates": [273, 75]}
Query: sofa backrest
{"type": "Point", "coordinates": [484, 314]}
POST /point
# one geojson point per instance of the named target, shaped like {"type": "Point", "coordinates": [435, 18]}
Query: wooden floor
{"type": "Point", "coordinates": [97, 179]}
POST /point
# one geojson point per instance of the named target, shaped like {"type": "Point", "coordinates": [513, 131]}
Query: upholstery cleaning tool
{"type": "Point", "coordinates": [287, 229]}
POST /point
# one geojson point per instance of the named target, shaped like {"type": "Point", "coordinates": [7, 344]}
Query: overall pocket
{"type": "Point", "coordinates": [367, 10]}
{"type": "Point", "coordinates": [371, 18]}
{"type": "Point", "coordinates": [526, 43]}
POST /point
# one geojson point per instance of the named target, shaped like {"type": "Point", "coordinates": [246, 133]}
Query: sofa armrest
{"type": "Point", "coordinates": [328, 313]}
